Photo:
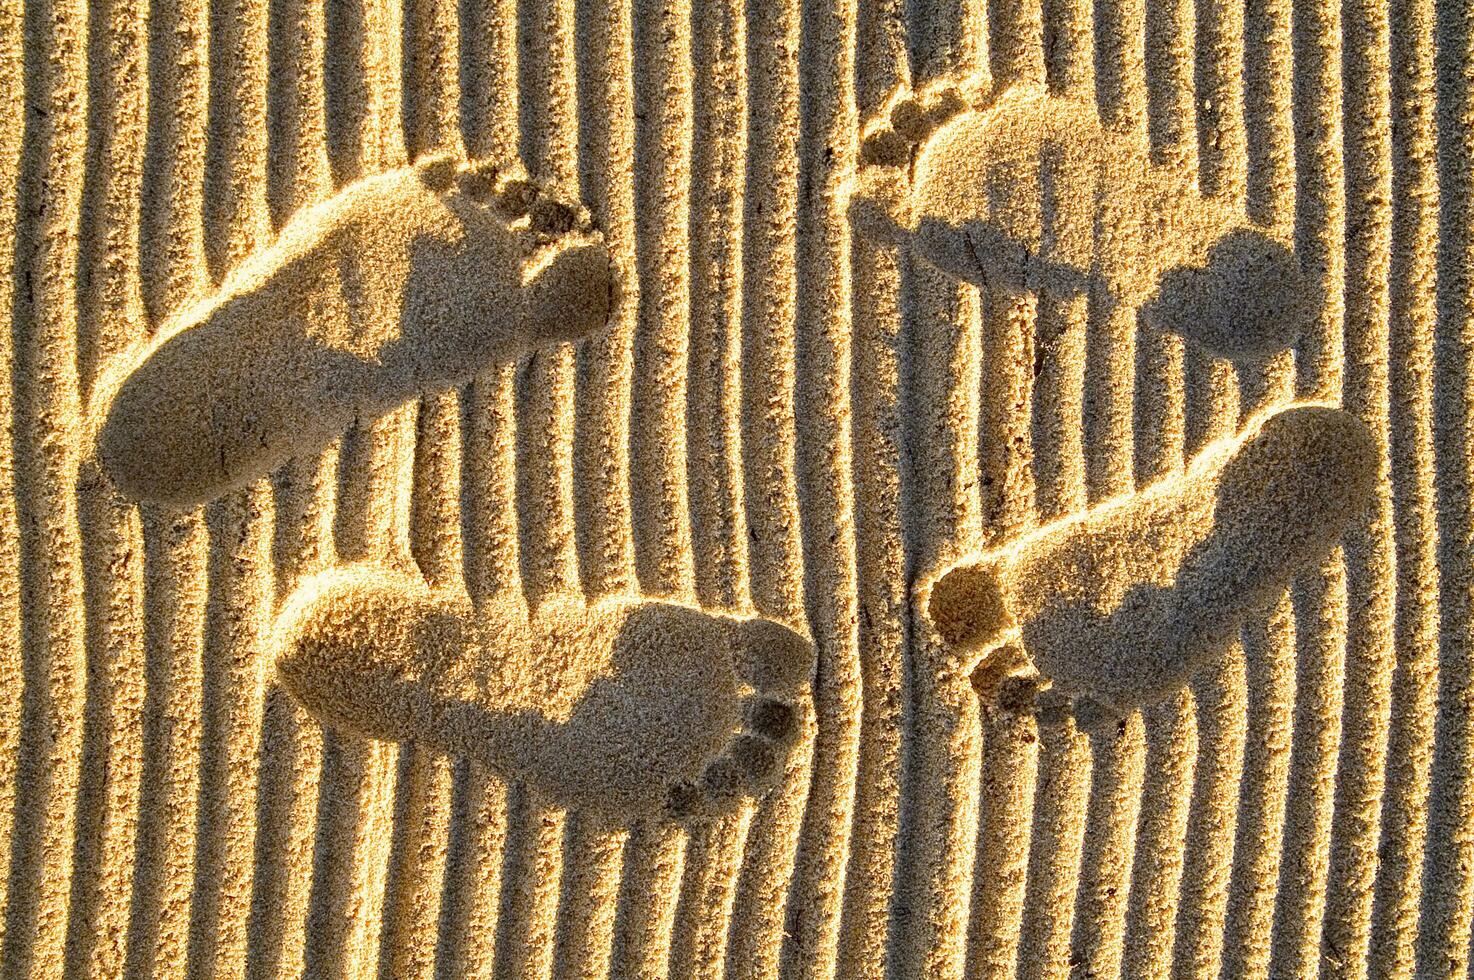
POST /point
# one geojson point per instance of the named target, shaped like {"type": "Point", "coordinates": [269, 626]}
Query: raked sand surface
{"type": "Point", "coordinates": [737, 488]}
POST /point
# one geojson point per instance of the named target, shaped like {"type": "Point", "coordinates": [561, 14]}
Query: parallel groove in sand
{"type": "Point", "coordinates": [783, 415]}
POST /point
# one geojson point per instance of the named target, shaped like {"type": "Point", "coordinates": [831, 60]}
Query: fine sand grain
{"type": "Point", "coordinates": [544, 488]}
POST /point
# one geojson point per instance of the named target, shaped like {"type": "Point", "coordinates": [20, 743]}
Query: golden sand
{"type": "Point", "coordinates": [541, 488]}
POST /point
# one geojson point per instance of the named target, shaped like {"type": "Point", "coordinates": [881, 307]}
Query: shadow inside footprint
{"type": "Point", "coordinates": [626, 708]}
{"type": "Point", "coordinates": [1119, 607]}
{"type": "Point", "coordinates": [1249, 300]}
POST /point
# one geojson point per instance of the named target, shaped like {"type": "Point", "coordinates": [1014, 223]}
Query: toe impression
{"type": "Point", "coordinates": [967, 608]}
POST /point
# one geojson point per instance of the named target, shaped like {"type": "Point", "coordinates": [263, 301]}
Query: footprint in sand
{"type": "Point", "coordinates": [1031, 192]}
{"type": "Point", "coordinates": [625, 707]}
{"type": "Point", "coordinates": [1116, 607]}
{"type": "Point", "coordinates": [405, 282]}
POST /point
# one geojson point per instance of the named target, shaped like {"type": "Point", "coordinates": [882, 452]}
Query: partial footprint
{"type": "Point", "coordinates": [1032, 192]}
{"type": "Point", "coordinates": [626, 707]}
{"type": "Point", "coordinates": [405, 282]}
{"type": "Point", "coordinates": [1118, 606]}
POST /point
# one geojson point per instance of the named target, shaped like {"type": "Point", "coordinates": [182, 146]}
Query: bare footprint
{"type": "Point", "coordinates": [405, 282]}
{"type": "Point", "coordinates": [625, 707]}
{"type": "Point", "coordinates": [1031, 192]}
{"type": "Point", "coordinates": [1116, 607]}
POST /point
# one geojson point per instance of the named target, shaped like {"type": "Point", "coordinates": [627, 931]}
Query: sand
{"type": "Point", "coordinates": [888, 490]}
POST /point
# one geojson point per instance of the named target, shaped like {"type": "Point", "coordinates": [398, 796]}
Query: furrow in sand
{"type": "Point", "coordinates": [547, 108]}
{"type": "Point", "coordinates": [815, 824]}
{"type": "Point", "coordinates": [50, 650]}
{"type": "Point", "coordinates": [708, 888]}
{"type": "Point", "coordinates": [1319, 599]}
{"type": "Point", "coordinates": [237, 612]}
{"type": "Point", "coordinates": [1320, 198]}
{"type": "Point", "coordinates": [1007, 790]}
{"type": "Point", "coordinates": [713, 467]}
{"type": "Point", "coordinates": [488, 515]}
{"type": "Point", "coordinates": [653, 858]}
{"type": "Point", "coordinates": [108, 799]}
{"type": "Point", "coordinates": [173, 275]}
{"type": "Point", "coordinates": [1269, 649]}
{"type": "Point", "coordinates": [1120, 92]}
{"type": "Point", "coordinates": [942, 354]}
{"type": "Point", "coordinates": [417, 858]}
{"type": "Point", "coordinates": [1060, 331]}
{"type": "Point", "coordinates": [353, 788]}
{"type": "Point", "coordinates": [12, 658]}
{"type": "Point", "coordinates": [1120, 758]}
{"type": "Point", "coordinates": [1412, 299]}
{"type": "Point", "coordinates": [1319, 604]}
{"type": "Point", "coordinates": [286, 809]}
{"type": "Point", "coordinates": [290, 744]}
{"type": "Point", "coordinates": [174, 546]}
{"type": "Point", "coordinates": [109, 318]}
{"type": "Point", "coordinates": [1108, 443]}
{"type": "Point", "coordinates": [1212, 411]}
{"type": "Point", "coordinates": [941, 365]}
{"type": "Point", "coordinates": [531, 877]}
{"type": "Point", "coordinates": [661, 32]}
{"type": "Point", "coordinates": [1370, 556]}
{"type": "Point", "coordinates": [1269, 643]}
{"type": "Point", "coordinates": [477, 836]}
{"type": "Point", "coordinates": [1219, 81]}
{"type": "Point", "coordinates": [1269, 147]}
{"type": "Point", "coordinates": [1056, 835]}
{"type": "Point", "coordinates": [238, 570]}
{"type": "Point", "coordinates": [1220, 692]}
{"type": "Point", "coordinates": [769, 437]}
{"type": "Point", "coordinates": [1142, 923]}
{"type": "Point", "coordinates": [416, 865]}
{"type": "Point", "coordinates": [466, 932]}
{"type": "Point", "coordinates": [1162, 392]}
{"type": "Point", "coordinates": [718, 156]}
{"type": "Point", "coordinates": [606, 141]}
{"type": "Point", "coordinates": [592, 856]}
{"type": "Point", "coordinates": [871, 868]}
{"type": "Point", "coordinates": [1448, 902]}
{"type": "Point", "coordinates": [375, 470]}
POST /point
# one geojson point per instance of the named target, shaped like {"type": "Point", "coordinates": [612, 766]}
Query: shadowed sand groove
{"type": "Point", "coordinates": [110, 317]}
{"type": "Point", "coordinates": [783, 413]}
{"type": "Point", "coordinates": [12, 660]}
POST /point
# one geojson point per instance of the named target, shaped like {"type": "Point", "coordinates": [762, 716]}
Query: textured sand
{"type": "Point", "coordinates": [786, 418]}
